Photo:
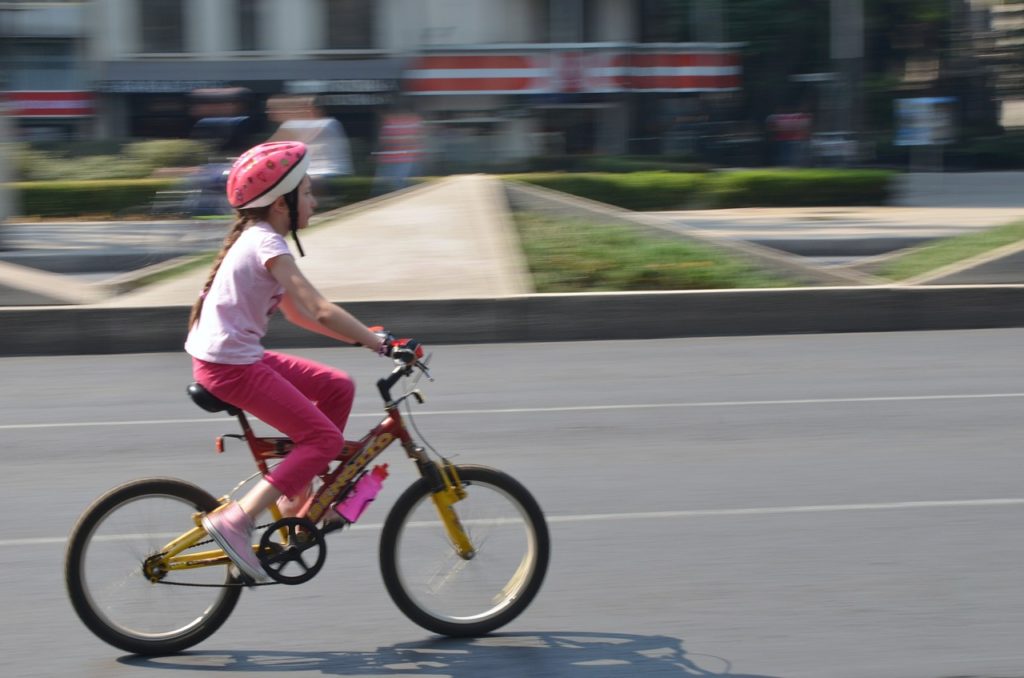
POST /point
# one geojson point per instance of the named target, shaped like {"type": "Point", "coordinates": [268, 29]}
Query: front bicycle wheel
{"type": "Point", "coordinates": [441, 591]}
{"type": "Point", "coordinates": [104, 573]}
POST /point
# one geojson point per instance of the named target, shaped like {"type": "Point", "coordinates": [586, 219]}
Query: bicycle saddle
{"type": "Point", "coordinates": [209, 402]}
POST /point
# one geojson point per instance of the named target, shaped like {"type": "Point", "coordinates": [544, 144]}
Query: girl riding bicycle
{"type": "Point", "coordinates": [254, 274]}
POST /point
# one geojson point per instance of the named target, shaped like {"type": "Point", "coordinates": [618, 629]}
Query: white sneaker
{"type": "Point", "coordinates": [232, 529]}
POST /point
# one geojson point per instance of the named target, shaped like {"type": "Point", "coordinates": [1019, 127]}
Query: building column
{"type": "Point", "coordinates": [211, 27]}
{"type": "Point", "coordinates": [566, 21]}
{"type": "Point", "coordinates": [612, 129]}
{"type": "Point", "coordinates": [847, 51]}
{"type": "Point", "coordinates": [708, 18]}
{"type": "Point", "coordinates": [296, 26]}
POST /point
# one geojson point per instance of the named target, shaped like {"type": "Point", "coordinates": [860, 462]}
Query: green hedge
{"type": "Point", "coordinates": [105, 197]}
{"type": "Point", "coordinates": [635, 191]}
{"type": "Point", "coordinates": [800, 188]}
{"type": "Point", "coordinates": [93, 197]}
{"type": "Point", "coordinates": [740, 188]}
{"type": "Point", "coordinates": [341, 191]}
{"type": "Point", "coordinates": [612, 163]}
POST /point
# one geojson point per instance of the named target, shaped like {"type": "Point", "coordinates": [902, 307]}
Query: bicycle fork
{"type": "Point", "coordinates": [447, 490]}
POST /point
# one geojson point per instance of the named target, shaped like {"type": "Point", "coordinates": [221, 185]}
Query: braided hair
{"type": "Point", "coordinates": [244, 218]}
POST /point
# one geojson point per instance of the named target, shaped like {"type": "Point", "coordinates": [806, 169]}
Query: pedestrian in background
{"type": "Point", "coordinates": [790, 133]}
{"type": "Point", "coordinates": [399, 150]}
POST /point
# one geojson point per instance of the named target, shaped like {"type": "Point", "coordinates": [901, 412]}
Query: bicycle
{"type": "Point", "coordinates": [462, 552]}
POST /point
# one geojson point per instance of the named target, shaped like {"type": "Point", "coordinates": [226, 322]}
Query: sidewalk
{"type": "Point", "coordinates": [843, 231]}
{"type": "Point", "coordinates": [442, 260]}
{"type": "Point", "coordinates": [925, 206]}
{"type": "Point", "coordinates": [439, 241]}
{"type": "Point", "coordinates": [447, 239]}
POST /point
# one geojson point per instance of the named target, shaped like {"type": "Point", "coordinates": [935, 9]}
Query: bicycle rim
{"type": "Point", "coordinates": [473, 595]}
{"type": "Point", "coordinates": [121, 597]}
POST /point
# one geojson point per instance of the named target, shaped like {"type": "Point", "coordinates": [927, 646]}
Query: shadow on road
{"type": "Point", "coordinates": [567, 655]}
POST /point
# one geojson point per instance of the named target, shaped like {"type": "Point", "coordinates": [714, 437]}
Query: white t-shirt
{"type": "Point", "coordinates": [241, 300]}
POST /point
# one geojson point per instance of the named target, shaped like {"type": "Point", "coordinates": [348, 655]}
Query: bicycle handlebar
{"type": "Point", "coordinates": [404, 370]}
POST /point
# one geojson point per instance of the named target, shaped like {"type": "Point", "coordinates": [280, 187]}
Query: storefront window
{"type": "Point", "coordinates": [44, 65]}
{"type": "Point", "coordinates": [162, 26]}
{"type": "Point", "coordinates": [664, 20]}
{"type": "Point", "coordinates": [35, 131]}
{"type": "Point", "coordinates": [568, 20]}
{"type": "Point", "coordinates": [350, 24]}
{"type": "Point", "coordinates": [248, 24]}
{"type": "Point", "coordinates": [539, 25]}
{"type": "Point", "coordinates": [157, 116]}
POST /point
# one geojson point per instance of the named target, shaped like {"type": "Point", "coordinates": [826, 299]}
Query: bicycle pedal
{"type": "Point", "coordinates": [242, 577]}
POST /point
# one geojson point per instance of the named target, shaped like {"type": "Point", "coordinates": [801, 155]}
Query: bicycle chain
{"type": "Point", "coordinates": [218, 586]}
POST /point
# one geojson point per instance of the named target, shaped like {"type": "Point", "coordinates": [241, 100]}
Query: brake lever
{"type": "Point", "coordinates": [425, 370]}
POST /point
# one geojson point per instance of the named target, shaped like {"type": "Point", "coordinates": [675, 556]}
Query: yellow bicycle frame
{"type": "Point", "coordinates": [361, 454]}
{"type": "Point", "coordinates": [453, 492]}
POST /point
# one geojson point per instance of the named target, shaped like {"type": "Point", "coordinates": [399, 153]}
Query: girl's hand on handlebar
{"type": "Point", "coordinates": [408, 351]}
{"type": "Point", "coordinates": [386, 340]}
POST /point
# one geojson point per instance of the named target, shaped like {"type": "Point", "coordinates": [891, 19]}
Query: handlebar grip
{"type": "Point", "coordinates": [384, 385]}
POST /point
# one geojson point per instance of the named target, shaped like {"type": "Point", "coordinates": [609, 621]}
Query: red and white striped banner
{"type": "Point", "coordinates": [478, 73]}
{"type": "Point", "coordinates": [655, 72]}
{"type": "Point", "coordinates": [574, 71]}
{"type": "Point", "coordinates": [50, 104]}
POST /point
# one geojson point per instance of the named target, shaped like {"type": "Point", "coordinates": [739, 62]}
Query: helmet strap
{"type": "Point", "coordinates": [292, 200]}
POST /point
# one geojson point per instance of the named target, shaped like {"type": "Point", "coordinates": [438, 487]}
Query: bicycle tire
{"type": "Point", "coordinates": [502, 519]}
{"type": "Point", "coordinates": [88, 550]}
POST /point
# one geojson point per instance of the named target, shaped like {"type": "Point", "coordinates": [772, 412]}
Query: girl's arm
{"type": "Point", "coordinates": [304, 306]}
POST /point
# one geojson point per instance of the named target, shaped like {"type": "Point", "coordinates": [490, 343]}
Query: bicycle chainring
{"type": "Point", "coordinates": [292, 550]}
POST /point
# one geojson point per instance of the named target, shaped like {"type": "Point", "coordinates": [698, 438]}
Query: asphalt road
{"type": "Point", "coordinates": [798, 506]}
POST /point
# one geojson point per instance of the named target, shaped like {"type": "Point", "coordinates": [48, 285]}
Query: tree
{"type": "Point", "coordinates": [781, 38]}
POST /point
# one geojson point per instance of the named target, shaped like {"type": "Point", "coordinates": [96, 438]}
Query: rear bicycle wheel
{"type": "Point", "coordinates": [103, 570]}
{"type": "Point", "coordinates": [444, 593]}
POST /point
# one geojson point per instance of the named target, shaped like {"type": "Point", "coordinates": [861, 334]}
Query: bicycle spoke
{"type": "Point", "coordinates": [447, 593]}
{"type": "Point", "coordinates": [107, 570]}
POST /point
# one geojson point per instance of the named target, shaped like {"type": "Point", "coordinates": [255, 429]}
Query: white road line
{"type": "Point", "coordinates": [776, 510]}
{"type": "Point", "coordinates": [565, 408]}
{"type": "Point", "coordinates": [662, 515]}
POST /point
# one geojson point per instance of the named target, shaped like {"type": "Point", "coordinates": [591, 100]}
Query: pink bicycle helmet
{"type": "Point", "coordinates": [266, 172]}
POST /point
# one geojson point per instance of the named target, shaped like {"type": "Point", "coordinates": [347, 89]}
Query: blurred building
{"type": "Point", "coordinates": [495, 80]}
{"type": "Point", "coordinates": [998, 29]}
{"type": "Point", "coordinates": [149, 55]}
{"type": "Point", "coordinates": [43, 70]}
{"type": "Point", "coordinates": [509, 79]}
{"type": "Point", "coordinates": [7, 196]}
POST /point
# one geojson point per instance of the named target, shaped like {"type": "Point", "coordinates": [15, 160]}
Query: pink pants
{"type": "Point", "coordinates": [305, 400]}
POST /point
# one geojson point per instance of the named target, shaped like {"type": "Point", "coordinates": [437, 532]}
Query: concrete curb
{"type": "Point", "coordinates": [35, 331]}
{"type": "Point", "coordinates": [973, 269]}
{"type": "Point", "coordinates": [25, 285]}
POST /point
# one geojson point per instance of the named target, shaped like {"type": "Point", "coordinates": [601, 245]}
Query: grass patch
{"type": "Point", "coordinates": [935, 255]}
{"type": "Point", "coordinates": [574, 255]}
